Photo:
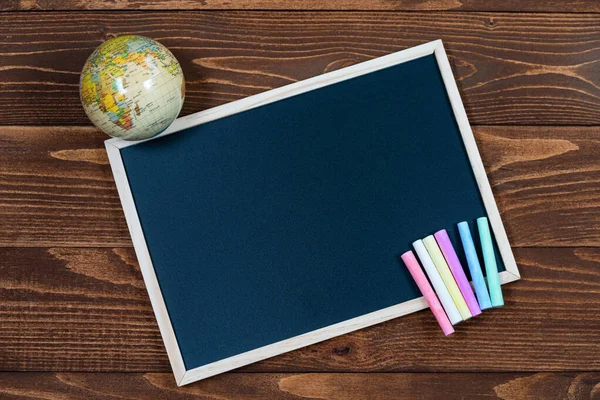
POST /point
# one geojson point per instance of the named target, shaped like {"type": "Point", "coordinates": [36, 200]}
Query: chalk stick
{"type": "Point", "coordinates": [489, 259]}
{"type": "Point", "coordinates": [457, 270]}
{"type": "Point", "coordinates": [483, 297]}
{"type": "Point", "coordinates": [436, 308]}
{"type": "Point", "coordinates": [442, 267]}
{"type": "Point", "coordinates": [437, 283]}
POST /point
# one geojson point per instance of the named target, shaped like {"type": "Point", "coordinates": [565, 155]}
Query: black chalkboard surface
{"type": "Point", "coordinates": [287, 218]}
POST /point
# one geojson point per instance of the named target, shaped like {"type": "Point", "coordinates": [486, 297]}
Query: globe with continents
{"type": "Point", "coordinates": [132, 87]}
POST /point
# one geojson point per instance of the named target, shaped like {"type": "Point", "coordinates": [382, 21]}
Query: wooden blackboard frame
{"type": "Point", "coordinates": [114, 146]}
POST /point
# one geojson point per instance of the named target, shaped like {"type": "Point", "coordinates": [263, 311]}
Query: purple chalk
{"type": "Point", "coordinates": [457, 271]}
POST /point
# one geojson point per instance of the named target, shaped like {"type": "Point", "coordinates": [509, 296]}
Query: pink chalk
{"type": "Point", "coordinates": [458, 272]}
{"type": "Point", "coordinates": [434, 304]}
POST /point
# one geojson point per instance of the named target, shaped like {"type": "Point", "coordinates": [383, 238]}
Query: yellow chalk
{"type": "Point", "coordinates": [440, 263]}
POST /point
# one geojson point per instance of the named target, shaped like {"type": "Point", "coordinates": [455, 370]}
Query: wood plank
{"type": "Point", "coordinates": [512, 69]}
{"type": "Point", "coordinates": [331, 386]}
{"type": "Point", "coordinates": [56, 187]}
{"type": "Point", "coordinates": [77, 309]}
{"type": "Point", "coordinates": [356, 5]}
{"type": "Point", "coordinates": [545, 183]}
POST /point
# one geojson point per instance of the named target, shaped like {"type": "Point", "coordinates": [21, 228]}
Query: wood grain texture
{"type": "Point", "coordinates": [545, 181]}
{"type": "Point", "coordinates": [56, 187]}
{"type": "Point", "coordinates": [330, 386]}
{"type": "Point", "coordinates": [366, 5]}
{"type": "Point", "coordinates": [77, 309]}
{"type": "Point", "coordinates": [512, 69]}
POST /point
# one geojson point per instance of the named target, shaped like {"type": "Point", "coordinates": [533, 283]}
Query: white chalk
{"type": "Point", "coordinates": [437, 283]}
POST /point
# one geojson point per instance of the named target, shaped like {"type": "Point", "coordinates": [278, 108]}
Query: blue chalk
{"type": "Point", "coordinates": [481, 291]}
{"type": "Point", "coordinates": [489, 259]}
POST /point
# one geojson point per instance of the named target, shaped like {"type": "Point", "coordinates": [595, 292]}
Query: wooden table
{"type": "Point", "coordinates": [74, 313]}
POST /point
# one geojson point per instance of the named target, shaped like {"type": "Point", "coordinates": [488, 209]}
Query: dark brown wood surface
{"type": "Point", "coordinates": [57, 188]}
{"type": "Point", "coordinates": [72, 301]}
{"type": "Point", "coordinates": [575, 6]}
{"type": "Point", "coordinates": [86, 309]}
{"type": "Point", "coordinates": [512, 69]}
{"type": "Point", "coordinates": [285, 386]}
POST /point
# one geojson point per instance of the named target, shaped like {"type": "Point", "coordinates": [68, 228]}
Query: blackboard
{"type": "Point", "coordinates": [288, 217]}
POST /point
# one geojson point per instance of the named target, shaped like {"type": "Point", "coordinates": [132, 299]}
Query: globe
{"type": "Point", "coordinates": [132, 87]}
